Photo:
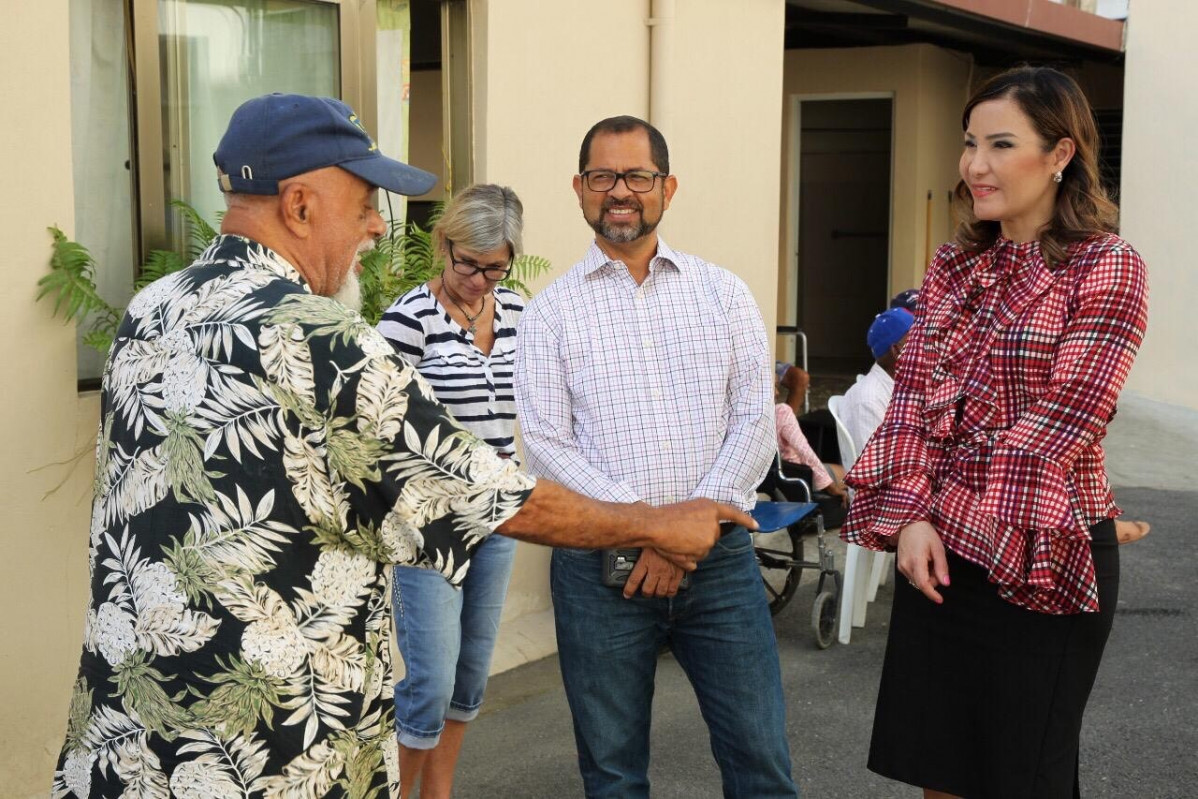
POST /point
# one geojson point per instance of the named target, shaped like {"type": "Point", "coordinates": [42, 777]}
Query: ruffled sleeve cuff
{"type": "Point", "coordinates": [893, 487]}
{"type": "Point", "coordinates": [1027, 491]}
{"type": "Point", "coordinates": [1041, 557]}
{"type": "Point", "coordinates": [878, 512]}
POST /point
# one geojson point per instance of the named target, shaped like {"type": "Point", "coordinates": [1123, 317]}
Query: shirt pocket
{"type": "Point", "coordinates": [697, 360]}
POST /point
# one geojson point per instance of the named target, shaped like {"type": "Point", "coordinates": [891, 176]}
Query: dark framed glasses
{"type": "Point", "coordinates": [468, 268]}
{"type": "Point", "coordinates": [638, 180]}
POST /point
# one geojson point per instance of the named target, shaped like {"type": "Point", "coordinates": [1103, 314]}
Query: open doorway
{"type": "Point", "coordinates": [842, 233]}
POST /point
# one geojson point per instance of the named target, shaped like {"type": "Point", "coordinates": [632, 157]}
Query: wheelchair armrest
{"type": "Point", "coordinates": [797, 482]}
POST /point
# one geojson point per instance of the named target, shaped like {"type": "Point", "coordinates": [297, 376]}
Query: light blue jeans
{"type": "Point", "coordinates": [719, 630]}
{"type": "Point", "coordinates": [446, 637]}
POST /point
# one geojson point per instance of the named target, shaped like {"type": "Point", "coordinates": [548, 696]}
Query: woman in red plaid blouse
{"type": "Point", "coordinates": [987, 474]}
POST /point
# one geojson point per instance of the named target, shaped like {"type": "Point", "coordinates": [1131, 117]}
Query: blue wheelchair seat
{"type": "Point", "coordinates": [772, 516]}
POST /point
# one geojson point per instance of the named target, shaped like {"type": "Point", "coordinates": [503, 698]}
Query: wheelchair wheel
{"type": "Point", "coordinates": [823, 619]}
{"type": "Point", "coordinates": [777, 555]}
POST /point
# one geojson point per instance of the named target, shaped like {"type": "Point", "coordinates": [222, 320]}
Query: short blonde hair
{"type": "Point", "coordinates": [482, 217]}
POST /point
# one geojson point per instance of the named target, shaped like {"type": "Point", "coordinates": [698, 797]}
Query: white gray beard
{"type": "Point", "coordinates": [623, 233]}
{"type": "Point", "coordinates": [350, 293]}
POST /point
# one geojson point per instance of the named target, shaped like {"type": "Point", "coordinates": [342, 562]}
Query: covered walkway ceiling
{"type": "Point", "coordinates": [997, 32]}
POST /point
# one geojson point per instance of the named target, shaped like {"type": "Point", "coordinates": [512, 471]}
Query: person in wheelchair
{"type": "Point", "coordinates": [799, 460]}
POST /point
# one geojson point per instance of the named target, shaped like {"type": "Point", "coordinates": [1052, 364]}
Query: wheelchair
{"type": "Point", "coordinates": [779, 551]}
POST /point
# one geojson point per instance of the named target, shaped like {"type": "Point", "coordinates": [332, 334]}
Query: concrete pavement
{"type": "Point", "coordinates": [1140, 738]}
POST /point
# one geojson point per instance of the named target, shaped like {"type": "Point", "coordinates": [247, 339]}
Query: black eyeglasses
{"type": "Point", "coordinates": [638, 180]}
{"type": "Point", "coordinates": [468, 268]}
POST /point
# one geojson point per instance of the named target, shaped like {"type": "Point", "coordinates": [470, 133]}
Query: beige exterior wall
{"type": "Point", "coordinates": [43, 575]}
{"type": "Point", "coordinates": [536, 91]}
{"type": "Point", "coordinates": [929, 87]}
{"type": "Point", "coordinates": [538, 88]}
{"type": "Point", "coordinates": [1159, 119]}
{"type": "Point", "coordinates": [721, 117]}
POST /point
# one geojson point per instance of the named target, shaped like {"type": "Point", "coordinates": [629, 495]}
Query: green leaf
{"type": "Point", "coordinates": [159, 264]}
{"type": "Point", "coordinates": [524, 268]}
{"type": "Point", "coordinates": [199, 233]}
{"type": "Point", "coordinates": [318, 316]}
{"type": "Point", "coordinates": [99, 340]}
{"type": "Point", "coordinates": [355, 456]}
{"type": "Point", "coordinates": [80, 715]}
{"type": "Point", "coordinates": [71, 282]}
{"type": "Point", "coordinates": [368, 539]}
{"type": "Point", "coordinates": [245, 694]}
{"type": "Point", "coordinates": [363, 759]}
{"type": "Point", "coordinates": [183, 449]}
{"type": "Point", "coordinates": [193, 574]}
{"type": "Point", "coordinates": [141, 686]}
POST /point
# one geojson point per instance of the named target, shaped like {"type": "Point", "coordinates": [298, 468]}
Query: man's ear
{"type": "Point", "coordinates": [296, 201]}
{"type": "Point", "coordinates": [669, 185]}
{"type": "Point", "coordinates": [578, 188]}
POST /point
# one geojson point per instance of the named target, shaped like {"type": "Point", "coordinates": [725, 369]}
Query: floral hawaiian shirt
{"type": "Point", "coordinates": [262, 454]}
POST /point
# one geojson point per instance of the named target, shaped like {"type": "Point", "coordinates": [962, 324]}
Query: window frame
{"type": "Point", "coordinates": [357, 29]}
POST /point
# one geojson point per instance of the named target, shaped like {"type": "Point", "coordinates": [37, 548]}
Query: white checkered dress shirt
{"type": "Point", "coordinates": [659, 392]}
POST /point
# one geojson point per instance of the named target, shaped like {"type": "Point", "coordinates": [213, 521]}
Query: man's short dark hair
{"type": "Point", "coordinates": [625, 124]}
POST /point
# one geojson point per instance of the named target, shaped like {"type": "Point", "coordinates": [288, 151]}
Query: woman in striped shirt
{"type": "Point", "coordinates": [459, 331]}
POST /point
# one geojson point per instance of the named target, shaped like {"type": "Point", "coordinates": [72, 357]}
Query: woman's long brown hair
{"type": "Point", "coordinates": [1057, 109]}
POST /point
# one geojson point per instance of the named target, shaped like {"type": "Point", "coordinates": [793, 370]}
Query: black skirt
{"type": "Point", "coordinates": [983, 699]}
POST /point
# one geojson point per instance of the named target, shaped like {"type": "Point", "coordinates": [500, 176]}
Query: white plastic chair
{"type": "Point", "coordinates": [864, 569]}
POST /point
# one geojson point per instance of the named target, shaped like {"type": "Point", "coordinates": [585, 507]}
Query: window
{"type": "Point", "coordinates": [101, 156]}
{"type": "Point", "coordinates": [215, 55]}
{"type": "Point", "coordinates": [154, 82]}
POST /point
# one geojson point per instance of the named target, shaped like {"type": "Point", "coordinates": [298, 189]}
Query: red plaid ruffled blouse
{"type": "Point", "coordinates": [1004, 391]}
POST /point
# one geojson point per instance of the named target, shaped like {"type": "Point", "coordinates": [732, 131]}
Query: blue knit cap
{"type": "Point", "coordinates": [888, 329]}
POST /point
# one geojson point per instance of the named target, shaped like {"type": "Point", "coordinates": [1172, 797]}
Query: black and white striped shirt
{"type": "Point", "coordinates": [475, 388]}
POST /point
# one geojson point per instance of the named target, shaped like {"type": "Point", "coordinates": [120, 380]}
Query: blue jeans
{"type": "Point", "coordinates": [446, 637]}
{"type": "Point", "coordinates": [719, 630]}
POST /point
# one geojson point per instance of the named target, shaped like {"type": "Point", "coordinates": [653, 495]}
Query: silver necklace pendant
{"type": "Point", "coordinates": [471, 321]}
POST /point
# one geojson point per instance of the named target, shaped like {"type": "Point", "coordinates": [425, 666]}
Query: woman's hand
{"type": "Point", "coordinates": [918, 547]}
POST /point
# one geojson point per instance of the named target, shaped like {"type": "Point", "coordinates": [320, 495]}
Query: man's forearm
{"type": "Point", "coordinates": [556, 516]}
{"type": "Point", "coordinates": [684, 532]}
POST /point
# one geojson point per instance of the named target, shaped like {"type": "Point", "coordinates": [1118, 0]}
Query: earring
{"type": "Point", "coordinates": [1057, 177]}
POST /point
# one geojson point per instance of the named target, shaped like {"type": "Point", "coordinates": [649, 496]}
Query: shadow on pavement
{"type": "Point", "coordinates": [1139, 738]}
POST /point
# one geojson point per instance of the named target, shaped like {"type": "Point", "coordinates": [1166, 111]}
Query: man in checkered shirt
{"type": "Point", "coordinates": [644, 375]}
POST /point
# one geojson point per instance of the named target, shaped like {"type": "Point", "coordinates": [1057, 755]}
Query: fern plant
{"type": "Point", "coordinates": [401, 260]}
{"type": "Point", "coordinates": [72, 285]}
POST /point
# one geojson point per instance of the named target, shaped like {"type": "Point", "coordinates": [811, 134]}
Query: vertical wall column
{"type": "Point", "coordinates": [719, 104]}
{"type": "Point", "coordinates": [661, 60]}
{"type": "Point", "coordinates": [1157, 210]}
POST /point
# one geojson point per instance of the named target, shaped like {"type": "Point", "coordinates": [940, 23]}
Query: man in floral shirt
{"type": "Point", "coordinates": [262, 455]}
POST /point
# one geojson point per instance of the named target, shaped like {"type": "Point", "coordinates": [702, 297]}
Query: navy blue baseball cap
{"type": "Point", "coordinates": [905, 299]}
{"type": "Point", "coordinates": [279, 136]}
